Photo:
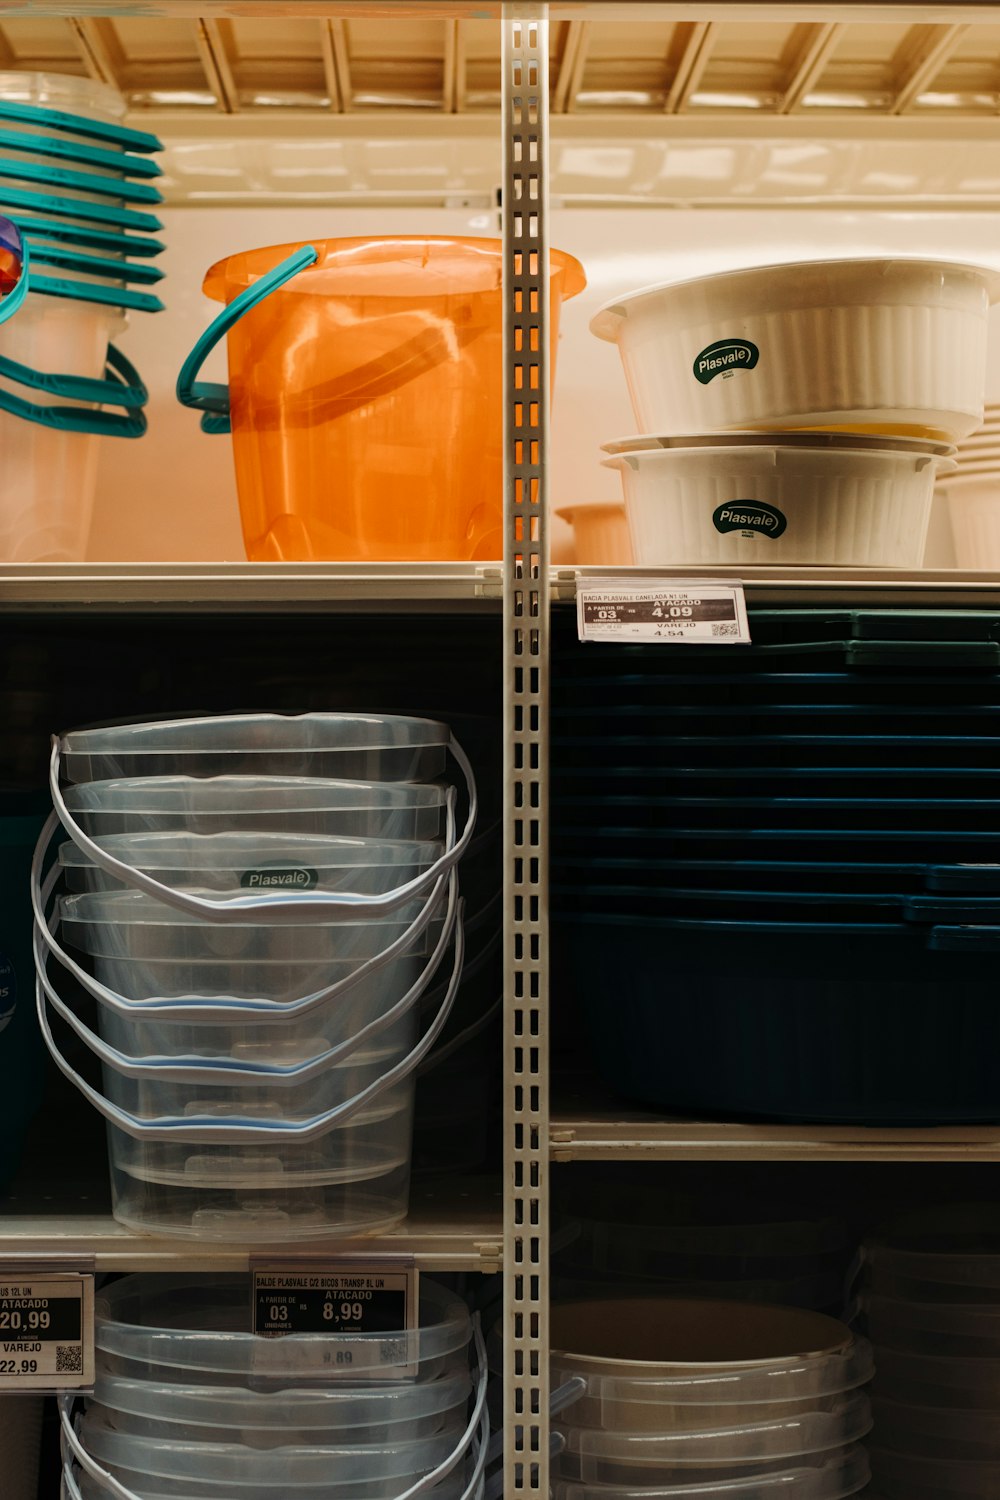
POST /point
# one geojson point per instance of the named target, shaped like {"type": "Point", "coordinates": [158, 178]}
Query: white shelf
{"type": "Point", "coordinates": [453, 1226]}
{"type": "Point", "coordinates": [385, 588]}
{"type": "Point", "coordinates": [849, 587]}
{"type": "Point", "coordinates": [612, 1133]}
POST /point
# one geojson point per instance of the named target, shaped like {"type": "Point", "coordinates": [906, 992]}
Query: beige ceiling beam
{"type": "Point", "coordinates": [216, 65]}
{"type": "Point", "coordinates": [569, 79]}
{"type": "Point", "coordinates": [330, 66]}
{"type": "Point", "coordinates": [93, 42]}
{"type": "Point", "coordinates": [335, 45]}
{"type": "Point", "coordinates": [454, 90]}
{"type": "Point", "coordinates": [692, 65]}
{"type": "Point", "coordinates": [924, 64]}
{"type": "Point", "coordinates": [8, 57]}
{"type": "Point", "coordinates": [810, 65]}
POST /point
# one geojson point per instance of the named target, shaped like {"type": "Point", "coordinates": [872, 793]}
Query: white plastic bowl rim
{"type": "Point", "coordinates": [608, 319]}
{"type": "Point", "coordinates": [755, 438]}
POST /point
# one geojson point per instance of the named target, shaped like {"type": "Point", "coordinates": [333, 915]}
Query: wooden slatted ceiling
{"type": "Point", "coordinates": [452, 66]}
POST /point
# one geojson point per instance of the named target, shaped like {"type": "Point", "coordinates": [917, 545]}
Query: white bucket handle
{"type": "Point", "coordinates": [191, 1070]}
{"type": "Point", "coordinates": [211, 1130]}
{"type": "Point", "coordinates": [477, 1427]}
{"type": "Point", "coordinates": [223, 1009]}
{"type": "Point", "coordinates": [292, 906]}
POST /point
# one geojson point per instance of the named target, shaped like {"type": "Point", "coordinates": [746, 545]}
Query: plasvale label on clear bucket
{"type": "Point", "coordinates": [46, 1332]}
{"type": "Point", "coordinates": [334, 1304]}
{"type": "Point", "coordinates": [679, 610]}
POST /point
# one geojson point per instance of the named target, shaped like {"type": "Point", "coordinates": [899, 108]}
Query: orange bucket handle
{"type": "Point", "coordinates": [207, 396]}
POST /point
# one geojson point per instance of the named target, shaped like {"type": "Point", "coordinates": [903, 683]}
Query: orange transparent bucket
{"type": "Point", "coordinates": [365, 396]}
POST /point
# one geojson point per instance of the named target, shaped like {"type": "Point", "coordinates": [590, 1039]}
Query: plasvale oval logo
{"type": "Point", "coordinates": [283, 880]}
{"type": "Point", "coordinates": [749, 516]}
{"type": "Point", "coordinates": [724, 357]}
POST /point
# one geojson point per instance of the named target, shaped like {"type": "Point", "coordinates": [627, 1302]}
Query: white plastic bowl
{"type": "Point", "coordinates": [780, 503]}
{"type": "Point", "coordinates": [872, 345]}
{"type": "Point", "coordinates": [600, 534]}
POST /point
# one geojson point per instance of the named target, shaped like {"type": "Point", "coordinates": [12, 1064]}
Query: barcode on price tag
{"type": "Point", "coordinates": [674, 611]}
{"type": "Point", "coordinates": [337, 1304]}
{"type": "Point", "coordinates": [47, 1332]}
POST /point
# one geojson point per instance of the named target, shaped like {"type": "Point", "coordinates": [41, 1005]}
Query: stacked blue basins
{"type": "Point", "coordinates": [776, 877]}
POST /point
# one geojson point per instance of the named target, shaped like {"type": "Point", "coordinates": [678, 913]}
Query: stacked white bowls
{"type": "Point", "coordinates": [972, 494]}
{"type": "Point", "coordinates": [933, 1311]}
{"type": "Point", "coordinates": [258, 987]}
{"type": "Point", "coordinates": [729, 1399]}
{"type": "Point", "coordinates": [79, 185]}
{"type": "Point", "coordinates": [189, 1403]}
{"type": "Point", "coordinates": [799, 413]}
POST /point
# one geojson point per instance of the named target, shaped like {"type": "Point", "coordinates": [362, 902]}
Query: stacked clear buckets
{"type": "Point", "coordinates": [189, 1403]}
{"type": "Point", "coordinates": [679, 1398]}
{"type": "Point", "coordinates": [258, 905]}
{"type": "Point", "coordinates": [933, 1313]}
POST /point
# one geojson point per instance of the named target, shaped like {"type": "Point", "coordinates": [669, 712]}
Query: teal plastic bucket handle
{"type": "Point", "coordinates": [128, 390]}
{"type": "Point", "coordinates": [210, 397]}
{"type": "Point", "coordinates": [115, 189]}
{"type": "Point", "coordinates": [73, 124]}
{"type": "Point", "coordinates": [65, 259]}
{"type": "Point", "coordinates": [11, 303]}
{"type": "Point", "coordinates": [91, 156]}
{"type": "Point", "coordinates": [120, 392]}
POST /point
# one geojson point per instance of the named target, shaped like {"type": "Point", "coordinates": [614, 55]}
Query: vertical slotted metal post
{"type": "Point", "coordinates": [526, 672]}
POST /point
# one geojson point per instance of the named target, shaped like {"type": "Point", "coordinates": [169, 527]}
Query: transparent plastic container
{"type": "Point", "coordinates": [252, 804]}
{"type": "Point", "coordinates": [50, 476]}
{"type": "Point", "coordinates": [449, 1425]}
{"type": "Point", "coordinates": [264, 862]}
{"type": "Point", "coordinates": [935, 1380]}
{"type": "Point", "coordinates": [902, 1476]}
{"type": "Point", "coordinates": [962, 1330]}
{"type": "Point", "coordinates": [130, 924]}
{"type": "Point", "coordinates": [342, 746]}
{"type": "Point", "coordinates": [235, 1465]}
{"type": "Point", "coordinates": [155, 1487]}
{"type": "Point", "coordinates": [150, 1327]}
{"type": "Point", "coordinates": [939, 1432]}
{"type": "Point", "coordinates": [384, 1413]}
{"type": "Point", "coordinates": [950, 1258]}
{"type": "Point", "coordinates": [612, 1470]}
{"type": "Point", "coordinates": [832, 1480]}
{"type": "Point", "coordinates": [733, 1363]}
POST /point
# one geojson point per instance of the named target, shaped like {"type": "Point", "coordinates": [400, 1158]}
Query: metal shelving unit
{"type": "Point", "coordinates": [920, 79]}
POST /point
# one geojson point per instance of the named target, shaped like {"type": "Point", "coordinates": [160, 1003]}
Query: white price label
{"type": "Point", "coordinates": [335, 1303]}
{"type": "Point", "coordinates": [677, 610]}
{"type": "Point", "coordinates": [47, 1332]}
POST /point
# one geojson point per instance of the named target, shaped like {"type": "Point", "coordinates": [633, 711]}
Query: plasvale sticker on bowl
{"type": "Point", "coordinates": [669, 610]}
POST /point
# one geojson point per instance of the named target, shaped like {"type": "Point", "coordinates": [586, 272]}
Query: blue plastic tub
{"type": "Point", "coordinates": [886, 1024]}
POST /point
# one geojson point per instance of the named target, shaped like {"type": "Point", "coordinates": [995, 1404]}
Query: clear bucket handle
{"type": "Point", "coordinates": [192, 1070]}
{"type": "Point", "coordinates": [476, 1436]}
{"type": "Point", "coordinates": [210, 397]}
{"type": "Point", "coordinates": [293, 906]}
{"type": "Point", "coordinates": [203, 1007]}
{"type": "Point", "coordinates": [211, 1130]}
{"type": "Point", "coordinates": [123, 387]}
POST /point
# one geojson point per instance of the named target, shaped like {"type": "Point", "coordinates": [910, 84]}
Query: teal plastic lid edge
{"type": "Point", "coordinates": [52, 145]}
{"type": "Point", "coordinates": [88, 291]}
{"type": "Point", "coordinates": [81, 182]}
{"type": "Point", "coordinates": [99, 130]}
{"type": "Point", "coordinates": [74, 208]}
{"type": "Point", "coordinates": [94, 265]}
{"type": "Point", "coordinates": [95, 239]}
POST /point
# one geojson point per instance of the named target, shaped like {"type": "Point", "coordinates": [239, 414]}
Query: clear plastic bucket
{"type": "Point", "coordinates": [951, 1330]}
{"type": "Point", "coordinates": [151, 1327]}
{"type": "Point", "coordinates": [337, 371]}
{"type": "Point", "coordinates": [50, 476]}
{"type": "Point", "coordinates": [343, 746]}
{"type": "Point", "coordinates": [904, 1476]}
{"type": "Point", "coordinates": [264, 804]}
{"type": "Point", "coordinates": [832, 1480]}
{"type": "Point", "coordinates": [237, 862]}
{"type": "Point", "coordinates": [939, 1432]}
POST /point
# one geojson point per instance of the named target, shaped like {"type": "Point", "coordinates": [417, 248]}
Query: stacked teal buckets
{"type": "Point", "coordinates": [776, 877]}
{"type": "Point", "coordinates": [258, 987]}
{"type": "Point", "coordinates": [79, 186]}
{"type": "Point", "coordinates": [189, 1404]}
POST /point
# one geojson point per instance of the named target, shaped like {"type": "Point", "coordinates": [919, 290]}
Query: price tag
{"type": "Point", "coordinates": [675, 610]}
{"type": "Point", "coordinates": [47, 1332]}
{"type": "Point", "coordinates": [338, 1301]}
